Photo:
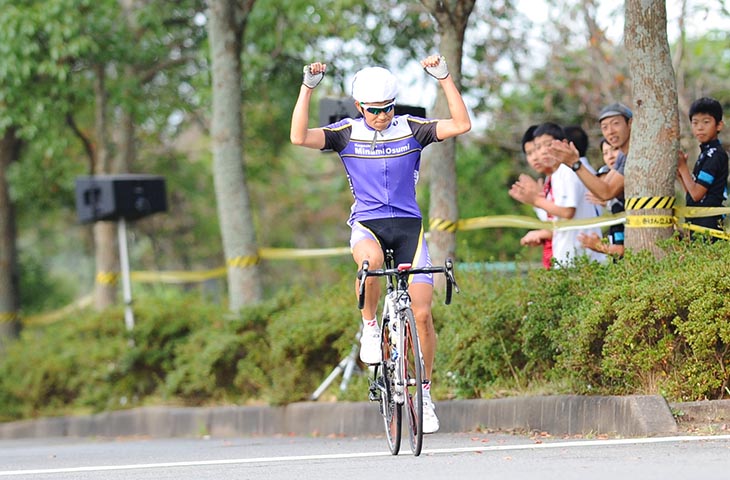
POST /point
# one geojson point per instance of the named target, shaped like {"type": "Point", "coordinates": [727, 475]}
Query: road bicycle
{"type": "Point", "coordinates": [397, 379]}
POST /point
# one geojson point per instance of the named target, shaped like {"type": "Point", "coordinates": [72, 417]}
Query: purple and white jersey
{"type": "Point", "coordinates": [382, 167]}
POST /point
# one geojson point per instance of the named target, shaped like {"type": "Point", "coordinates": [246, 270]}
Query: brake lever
{"type": "Point", "coordinates": [450, 274]}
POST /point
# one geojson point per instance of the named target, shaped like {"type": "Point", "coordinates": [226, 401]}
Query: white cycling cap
{"type": "Point", "coordinates": [374, 84]}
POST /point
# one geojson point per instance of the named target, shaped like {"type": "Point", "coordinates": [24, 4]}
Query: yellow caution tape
{"type": "Point", "coordinates": [693, 212]}
{"type": "Point", "coordinates": [7, 317]}
{"type": "Point", "coordinates": [243, 261]}
{"type": "Point", "coordinates": [605, 220]}
{"type": "Point", "coordinates": [182, 276]}
{"type": "Point", "coordinates": [499, 221]}
{"type": "Point", "coordinates": [50, 317]}
{"type": "Point", "coordinates": [107, 278]}
{"type": "Point", "coordinates": [650, 221]}
{"type": "Point", "coordinates": [643, 203]}
{"type": "Point", "coordinates": [707, 231]}
{"type": "Point", "coordinates": [441, 225]}
{"type": "Point", "coordinates": [286, 253]}
{"type": "Point", "coordinates": [177, 276]}
{"type": "Point", "coordinates": [520, 221]}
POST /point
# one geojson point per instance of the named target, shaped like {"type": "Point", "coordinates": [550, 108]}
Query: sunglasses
{"type": "Point", "coordinates": [379, 109]}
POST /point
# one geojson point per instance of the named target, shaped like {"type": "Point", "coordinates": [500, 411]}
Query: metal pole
{"type": "Point", "coordinates": [347, 367]}
{"type": "Point", "coordinates": [126, 283]}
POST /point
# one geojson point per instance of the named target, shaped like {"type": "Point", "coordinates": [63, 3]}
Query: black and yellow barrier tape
{"type": "Point", "coordinates": [243, 261]}
{"type": "Point", "coordinates": [107, 278]}
{"type": "Point", "coordinates": [441, 225]}
{"type": "Point", "coordinates": [7, 317]}
{"type": "Point", "coordinates": [644, 203]}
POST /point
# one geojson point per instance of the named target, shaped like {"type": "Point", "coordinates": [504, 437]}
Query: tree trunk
{"type": "Point", "coordinates": [105, 238]}
{"type": "Point", "coordinates": [652, 161]}
{"type": "Point", "coordinates": [126, 141]}
{"type": "Point", "coordinates": [440, 158]}
{"type": "Point", "coordinates": [226, 23]}
{"type": "Point", "coordinates": [9, 275]}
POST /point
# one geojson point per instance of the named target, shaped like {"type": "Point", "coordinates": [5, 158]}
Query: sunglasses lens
{"type": "Point", "coordinates": [379, 110]}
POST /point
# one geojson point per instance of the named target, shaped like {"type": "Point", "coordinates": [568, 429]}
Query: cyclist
{"type": "Point", "coordinates": [381, 153]}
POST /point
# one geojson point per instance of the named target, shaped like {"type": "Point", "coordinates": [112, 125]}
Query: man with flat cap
{"type": "Point", "coordinates": [615, 121]}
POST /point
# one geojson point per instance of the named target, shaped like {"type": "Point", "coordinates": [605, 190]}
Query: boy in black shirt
{"type": "Point", "coordinates": [706, 186]}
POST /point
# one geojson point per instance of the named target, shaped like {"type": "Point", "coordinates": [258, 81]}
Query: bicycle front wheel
{"type": "Point", "coordinates": [413, 376]}
{"type": "Point", "coordinates": [389, 408]}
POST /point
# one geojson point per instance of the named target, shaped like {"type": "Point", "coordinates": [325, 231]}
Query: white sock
{"type": "Point", "coordinates": [426, 387]}
{"type": "Point", "coordinates": [370, 323]}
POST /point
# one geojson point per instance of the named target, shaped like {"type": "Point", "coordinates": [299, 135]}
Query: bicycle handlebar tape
{"type": "Point", "coordinates": [447, 300]}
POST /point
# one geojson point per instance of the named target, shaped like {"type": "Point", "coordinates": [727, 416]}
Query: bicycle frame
{"type": "Point", "coordinates": [397, 299]}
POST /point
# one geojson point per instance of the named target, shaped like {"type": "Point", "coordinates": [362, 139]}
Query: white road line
{"type": "Point", "coordinates": [335, 456]}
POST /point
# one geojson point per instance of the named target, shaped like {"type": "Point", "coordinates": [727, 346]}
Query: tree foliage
{"type": "Point", "coordinates": [515, 73]}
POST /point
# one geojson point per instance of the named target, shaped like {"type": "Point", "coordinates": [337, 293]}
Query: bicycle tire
{"type": "Point", "coordinates": [391, 410]}
{"type": "Point", "coordinates": [411, 361]}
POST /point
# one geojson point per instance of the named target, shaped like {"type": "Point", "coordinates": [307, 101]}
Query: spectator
{"type": "Point", "coordinates": [564, 197]}
{"type": "Point", "coordinates": [609, 154]}
{"type": "Point", "coordinates": [578, 137]}
{"type": "Point", "coordinates": [542, 237]}
{"type": "Point", "coordinates": [615, 121]}
{"type": "Point", "coordinates": [706, 186]}
{"type": "Point", "coordinates": [615, 245]}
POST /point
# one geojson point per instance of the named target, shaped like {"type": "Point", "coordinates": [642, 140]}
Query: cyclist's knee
{"type": "Point", "coordinates": [368, 250]}
{"type": "Point", "coordinates": [422, 312]}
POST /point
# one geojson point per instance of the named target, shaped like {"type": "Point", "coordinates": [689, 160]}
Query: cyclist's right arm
{"type": "Point", "coordinates": [300, 134]}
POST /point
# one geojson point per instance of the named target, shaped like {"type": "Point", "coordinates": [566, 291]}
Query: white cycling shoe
{"type": "Point", "coordinates": [430, 420]}
{"type": "Point", "coordinates": [370, 352]}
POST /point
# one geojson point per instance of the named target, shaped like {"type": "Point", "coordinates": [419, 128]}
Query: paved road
{"type": "Point", "coordinates": [475, 455]}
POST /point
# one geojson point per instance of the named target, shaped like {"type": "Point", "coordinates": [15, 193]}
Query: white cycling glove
{"type": "Point", "coordinates": [438, 71]}
{"type": "Point", "coordinates": [310, 79]}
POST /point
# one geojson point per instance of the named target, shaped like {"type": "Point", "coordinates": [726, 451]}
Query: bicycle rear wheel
{"type": "Point", "coordinates": [389, 408]}
{"type": "Point", "coordinates": [413, 376]}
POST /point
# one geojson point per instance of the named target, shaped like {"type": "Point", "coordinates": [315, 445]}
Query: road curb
{"type": "Point", "coordinates": [628, 416]}
{"type": "Point", "coordinates": [705, 411]}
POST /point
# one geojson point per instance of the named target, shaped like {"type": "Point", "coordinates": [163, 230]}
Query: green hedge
{"type": "Point", "coordinates": [637, 326]}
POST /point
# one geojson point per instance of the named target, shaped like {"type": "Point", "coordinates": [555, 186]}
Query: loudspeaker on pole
{"type": "Point", "coordinates": [111, 197]}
